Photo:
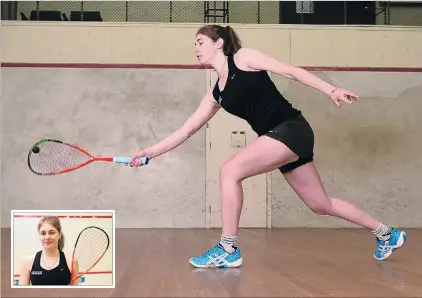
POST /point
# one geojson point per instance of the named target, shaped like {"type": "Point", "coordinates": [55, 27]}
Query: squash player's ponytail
{"type": "Point", "coordinates": [231, 40]}
{"type": "Point", "coordinates": [233, 44]}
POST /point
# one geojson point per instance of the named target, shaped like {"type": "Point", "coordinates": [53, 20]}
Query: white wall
{"type": "Point", "coordinates": [134, 107]}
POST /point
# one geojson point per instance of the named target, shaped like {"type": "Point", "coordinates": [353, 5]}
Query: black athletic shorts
{"type": "Point", "coordinates": [298, 136]}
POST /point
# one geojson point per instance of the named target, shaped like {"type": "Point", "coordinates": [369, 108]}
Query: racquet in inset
{"type": "Point", "coordinates": [91, 245]}
{"type": "Point", "coordinates": [50, 157]}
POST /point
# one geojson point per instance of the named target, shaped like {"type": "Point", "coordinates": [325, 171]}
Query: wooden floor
{"type": "Point", "coordinates": [277, 263]}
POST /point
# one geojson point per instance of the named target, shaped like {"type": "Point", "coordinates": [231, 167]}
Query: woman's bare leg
{"type": "Point", "coordinates": [261, 156]}
{"type": "Point", "coordinates": [306, 182]}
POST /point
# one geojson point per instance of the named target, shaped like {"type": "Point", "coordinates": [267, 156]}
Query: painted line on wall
{"type": "Point", "coordinates": [194, 66]}
{"type": "Point", "coordinates": [63, 216]}
{"type": "Point", "coordinates": [106, 65]}
{"type": "Point", "coordinates": [370, 69]}
{"type": "Point", "coordinates": [93, 272]}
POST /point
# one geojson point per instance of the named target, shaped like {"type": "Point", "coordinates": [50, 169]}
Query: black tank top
{"type": "Point", "coordinates": [252, 96]}
{"type": "Point", "coordinates": [59, 275]}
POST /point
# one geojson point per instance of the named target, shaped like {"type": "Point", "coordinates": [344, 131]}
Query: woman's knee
{"type": "Point", "coordinates": [230, 171]}
{"type": "Point", "coordinates": [321, 206]}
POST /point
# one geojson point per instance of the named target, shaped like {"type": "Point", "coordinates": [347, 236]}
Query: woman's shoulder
{"type": "Point", "coordinates": [245, 57]}
{"type": "Point", "coordinates": [245, 53]}
{"type": "Point", "coordinates": [68, 257]}
{"type": "Point", "coordinates": [29, 259]}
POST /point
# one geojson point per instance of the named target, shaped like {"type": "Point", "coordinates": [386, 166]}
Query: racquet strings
{"type": "Point", "coordinates": [91, 245]}
{"type": "Point", "coordinates": [54, 157]}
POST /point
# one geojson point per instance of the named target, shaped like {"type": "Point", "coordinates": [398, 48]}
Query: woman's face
{"type": "Point", "coordinates": [49, 236]}
{"type": "Point", "coordinates": [206, 48]}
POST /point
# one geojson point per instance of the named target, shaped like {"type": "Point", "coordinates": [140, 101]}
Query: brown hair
{"type": "Point", "coordinates": [231, 41]}
{"type": "Point", "coordinates": [55, 222]}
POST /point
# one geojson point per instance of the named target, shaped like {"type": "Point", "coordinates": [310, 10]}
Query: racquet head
{"type": "Point", "coordinates": [91, 245]}
{"type": "Point", "coordinates": [49, 157]}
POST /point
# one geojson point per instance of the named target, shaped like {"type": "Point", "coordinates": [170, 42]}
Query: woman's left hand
{"type": "Point", "coordinates": [340, 95]}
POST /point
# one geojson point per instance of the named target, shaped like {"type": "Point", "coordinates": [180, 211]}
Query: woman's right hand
{"type": "Point", "coordinates": [135, 160]}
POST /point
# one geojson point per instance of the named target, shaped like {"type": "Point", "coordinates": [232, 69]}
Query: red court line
{"type": "Point", "coordinates": [93, 272]}
{"type": "Point", "coordinates": [194, 66]}
{"type": "Point", "coordinates": [370, 69]}
{"type": "Point", "coordinates": [101, 65]}
{"type": "Point", "coordinates": [64, 216]}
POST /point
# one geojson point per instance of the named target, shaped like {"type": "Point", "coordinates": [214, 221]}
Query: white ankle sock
{"type": "Point", "coordinates": [383, 232]}
{"type": "Point", "coordinates": [228, 242]}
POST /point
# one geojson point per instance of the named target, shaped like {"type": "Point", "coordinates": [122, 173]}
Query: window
{"type": "Point", "coordinates": [304, 7]}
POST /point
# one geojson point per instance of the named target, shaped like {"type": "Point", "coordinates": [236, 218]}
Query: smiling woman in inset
{"type": "Point", "coordinates": [49, 266]}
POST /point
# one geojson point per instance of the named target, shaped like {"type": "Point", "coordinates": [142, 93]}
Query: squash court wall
{"type": "Point", "coordinates": [366, 153]}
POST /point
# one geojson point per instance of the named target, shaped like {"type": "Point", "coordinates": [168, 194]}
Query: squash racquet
{"type": "Point", "coordinates": [91, 245]}
{"type": "Point", "coordinates": [51, 157]}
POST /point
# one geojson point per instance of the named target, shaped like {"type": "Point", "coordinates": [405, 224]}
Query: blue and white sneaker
{"type": "Point", "coordinates": [386, 248]}
{"type": "Point", "coordinates": [217, 257]}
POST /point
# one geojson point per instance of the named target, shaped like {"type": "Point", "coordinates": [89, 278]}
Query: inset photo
{"type": "Point", "coordinates": [63, 248]}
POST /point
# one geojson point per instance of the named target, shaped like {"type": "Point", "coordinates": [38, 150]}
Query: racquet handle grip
{"type": "Point", "coordinates": [126, 159]}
